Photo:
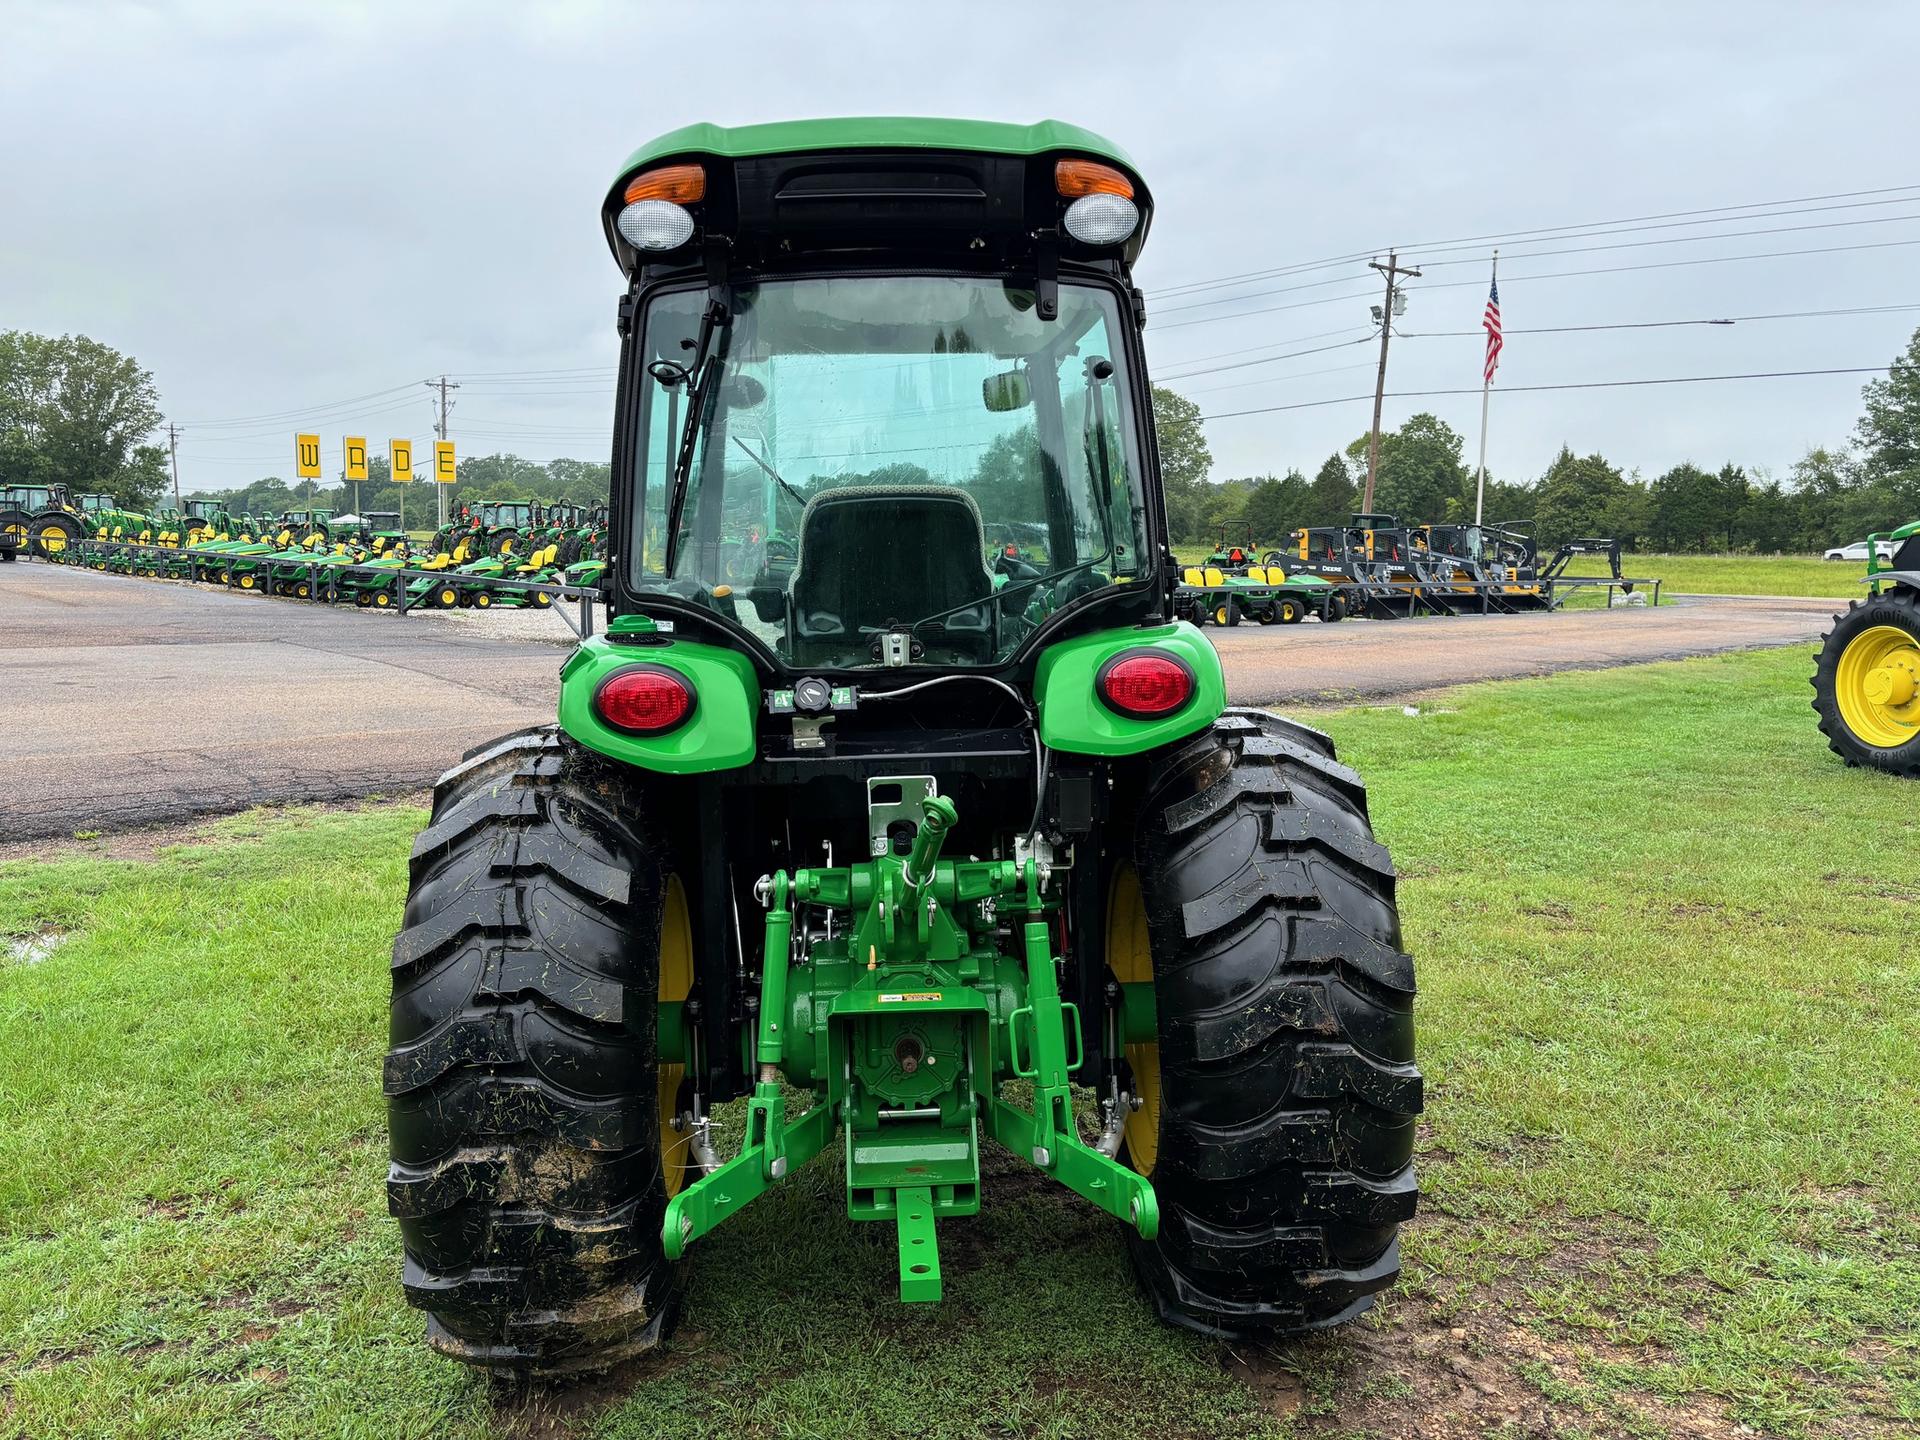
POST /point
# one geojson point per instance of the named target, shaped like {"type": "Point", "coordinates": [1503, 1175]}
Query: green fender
{"type": "Point", "coordinates": [721, 734]}
{"type": "Point", "coordinates": [1073, 718]}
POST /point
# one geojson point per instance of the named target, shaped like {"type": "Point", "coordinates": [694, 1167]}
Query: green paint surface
{"type": "Point", "coordinates": [1072, 715]}
{"type": "Point", "coordinates": [875, 133]}
{"type": "Point", "coordinates": [720, 735]}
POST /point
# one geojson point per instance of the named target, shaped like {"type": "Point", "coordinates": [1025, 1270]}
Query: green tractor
{"type": "Point", "coordinates": [44, 520]}
{"type": "Point", "coordinates": [1866, 680]}
{"type": "Point", "coordinates": [897, 854]}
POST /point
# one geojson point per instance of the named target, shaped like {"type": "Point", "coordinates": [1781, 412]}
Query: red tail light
{"type": "Point", "coordinates": [1144, 684]}
{"type": "Point", "coordinates": [644, 700]}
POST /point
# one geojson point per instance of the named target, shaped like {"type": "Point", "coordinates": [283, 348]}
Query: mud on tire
{"type": "Point", "coordinates": [1288, 1091]}
{"type": "Point", "coordinates": [526, 1170]}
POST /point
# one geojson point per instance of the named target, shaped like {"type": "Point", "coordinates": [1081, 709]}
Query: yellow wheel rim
{"type": "Point", "coordinates": [246, 582]}
{"type": "Point", "coordinates": [676, 979]}
{"type": "Point", "coordinates": [53, 541]}
{"type": "Point", "coordinates": [1877, 686]}
{"type": "Point", "coordinates": [1131, 959]}
{"type": "Point", "coordinates": [1220, 616]}
{"type": "Point", "coordinates": [482, 600]}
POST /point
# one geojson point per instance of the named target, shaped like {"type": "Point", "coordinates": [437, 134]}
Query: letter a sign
{"type": "Point", "coordinates": [306, 456]}
{"type": "Point", "coordinates": [356, 447]}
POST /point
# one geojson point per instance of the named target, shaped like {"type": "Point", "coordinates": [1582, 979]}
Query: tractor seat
{"type": "Point", "coordinates": [873, 557]}
{"type": "Point", "coordinates": [1192, 576]}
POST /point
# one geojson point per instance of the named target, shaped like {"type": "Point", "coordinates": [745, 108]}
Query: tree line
{"type": "Point", "coordinates": [79, 413]}
{"type": "Point", "coordinates": [1830, 496]}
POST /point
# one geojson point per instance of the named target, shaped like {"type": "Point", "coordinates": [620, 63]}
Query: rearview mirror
{"type": "Point", "coordinates": [1006, 391]}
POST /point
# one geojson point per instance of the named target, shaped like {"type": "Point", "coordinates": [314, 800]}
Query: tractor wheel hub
{"type": "Point", "coordinates": [1894, 684]}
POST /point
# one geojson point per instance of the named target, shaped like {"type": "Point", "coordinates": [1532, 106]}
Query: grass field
{"type": "Point", "coordinates": [1671, 1163]}
{"type": "Point", "coordinates": [1806, 575]}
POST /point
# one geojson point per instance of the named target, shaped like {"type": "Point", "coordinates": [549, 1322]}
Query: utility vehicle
{"type": "Point", "coordinates": [909, 854]}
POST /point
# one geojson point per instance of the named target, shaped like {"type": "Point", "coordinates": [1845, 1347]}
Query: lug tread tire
{"type": "Point", "coordinates": [1288, 1089]}
{"type": "Point", "coordinates": [522, 1111]}
{"type": "Point", "coordinates": [1899, 606]}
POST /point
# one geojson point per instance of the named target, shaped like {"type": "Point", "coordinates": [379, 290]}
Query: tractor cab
{"type": "Point", "coordinates": [517, 514]}
{"type": "Point", "coordinates": [850, 364]}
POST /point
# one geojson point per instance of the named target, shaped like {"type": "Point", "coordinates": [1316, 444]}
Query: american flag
{"type": "Point", "coordinates": [1491, 320]}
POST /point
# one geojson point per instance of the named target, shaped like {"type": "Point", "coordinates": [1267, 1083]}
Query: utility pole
{"type": "Point", "coordinates": [440, 429]}
{"type": "Point", "coordinates": [173, 446]}
{"type": "Point", "coordinates": [1393, 270]}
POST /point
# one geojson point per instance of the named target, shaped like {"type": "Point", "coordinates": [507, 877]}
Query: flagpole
{"type": "Point", "coordinates": [1486, 390]}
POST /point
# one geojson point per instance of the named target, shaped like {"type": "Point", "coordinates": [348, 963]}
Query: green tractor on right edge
{"type": "Point", "coordinates": [1866, 680]}
{"type": "Point", "coordinates": [906, 850]}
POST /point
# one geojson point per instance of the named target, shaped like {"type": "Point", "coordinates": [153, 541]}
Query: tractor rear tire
{"type": "Point", "coordinates": [1864, 726]}
{"type": "Point", "coordinates": [52, 534]}
{"type": "Point", "coordinates": [1286, 1089]}
{"type": "Point", "coordinates": [15, 527]}
{"type": "Point", "coordinates": [527, 1173]}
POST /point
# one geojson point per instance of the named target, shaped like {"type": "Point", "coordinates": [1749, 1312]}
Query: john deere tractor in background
{"type": "Point", "coordinates": [44, 519]}
{"type": "Point", "coordinates": [866, 833]}
{"type": "Point", "coordinates": [1866, 679]}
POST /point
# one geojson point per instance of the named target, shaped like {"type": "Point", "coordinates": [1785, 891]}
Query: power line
{"type": "Point", "coordinates": [1573, 250]}
{"type": "Point", "coordinates": [1270, 359]}
{"type": "Point", "coordinates": [1443, 247]}
{"type": "Point", "coordinates": [1544, 330]}
{"type": "Point", "coordinates": [1571, 385]}
{"type": "Point", "coordinates": [298, 414]}
{"type": "Point", "coordinates": [1665, 324]}
{"type": "Point", "coordinates": [1519, 236]}
{"type": "Point", "coordinates": [1562, 275]}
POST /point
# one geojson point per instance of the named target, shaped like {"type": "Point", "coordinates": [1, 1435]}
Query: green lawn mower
{"type": "Point", "coordinates": [897, 855]}
{"type": "Point", "coordinates": [1866, 680]}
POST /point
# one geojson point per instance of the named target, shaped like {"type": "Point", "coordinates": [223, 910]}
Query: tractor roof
{"type": "Point", "coordinates": [875, 133]}
{"type": "Point", "coordinates": [980, 188]}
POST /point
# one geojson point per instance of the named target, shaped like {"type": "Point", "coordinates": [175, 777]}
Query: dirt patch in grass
{"type": "Point", "coordinates": [562, 1408]}
{"type": "Point", "coordinates": [147, 842]}
{"type": "Point", "coordinates": [1492, 1361]}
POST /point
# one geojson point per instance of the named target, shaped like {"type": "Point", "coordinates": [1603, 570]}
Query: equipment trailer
{"type": "Point", "coordinates": [862, 831]}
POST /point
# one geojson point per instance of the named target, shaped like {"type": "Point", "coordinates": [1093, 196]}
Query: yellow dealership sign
{"type": "Point", "coordinates": [400, 458]}
{"type": "Point", "coordinates": [444, 469]}
{"type": "Point", "coordinates": [306, 456]}
{"type": "Point", "coordinates": [356, 448]}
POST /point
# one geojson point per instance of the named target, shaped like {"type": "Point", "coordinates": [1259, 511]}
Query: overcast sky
{"type": "Point", "coordinates": [281, 208]}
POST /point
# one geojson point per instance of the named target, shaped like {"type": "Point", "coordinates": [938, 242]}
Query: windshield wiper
{"type": "Point", "coordinates": [800, 499]}
{"type": "Point", "coordinates": [700, 377]}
